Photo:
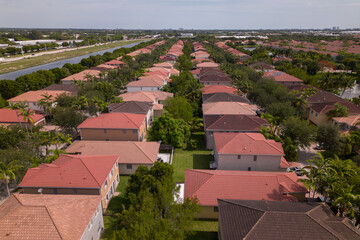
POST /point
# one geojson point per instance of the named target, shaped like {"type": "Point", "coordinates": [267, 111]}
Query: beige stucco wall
{"type": "Point", "coordinates": [262, 163]}
{"type": "Point", "coordinates": [319, 119]}
{"type": "Point", "coordinates": [125, 171]}
{"type": "Point", "coordinates": [113, 134]}
{"type": "Point", "coordinates": [207, 212]}
{"type": "Point", "coordinates": [113, 181]}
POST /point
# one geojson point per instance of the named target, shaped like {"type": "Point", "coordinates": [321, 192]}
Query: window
{"type": "Point", "coordinates": [124, 131]}
{"type": "Point", "coordinates": [211, 133]}
{"type": "Point", "coordinates": [107, 139]}
{"type": "Point", "coordinates": [135, 131]}
{"type": "Point", "coordinates": [117, 178]}
{"type": "Point", "coordinates": [106, 183]}
{"type": "Point", "coordinates": [128, 166]}
{"type": "Point", "coordinates": [239, 156]}
{"type": "Point", "coordinates": [312, 111]}
{"type": "Point", "coordinates": [105, 131]}
{"type": "Point", "coordinates": [216, 209]}
{"type": "Point", "coordinates": [75, 190]}
{"type": "Point", "coordinates": [255, 158]}
{"type": "Point", "coordinates": [316, 115]}
{"type": "Point", "coordinates": [249, 168]}
{"type": "Point", "coordinates": [55, 191]}
{"type": "Point", "coordinates": [111, 173]}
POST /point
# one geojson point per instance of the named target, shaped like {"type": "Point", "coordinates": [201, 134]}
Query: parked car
{"type": "Point", "coordinates": [296, 170]}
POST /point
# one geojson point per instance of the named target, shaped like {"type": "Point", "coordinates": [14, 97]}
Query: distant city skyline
{"type": "Point", "coordinates": [175, 14]}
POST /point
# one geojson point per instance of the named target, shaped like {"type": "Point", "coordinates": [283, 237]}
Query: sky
{"type": "Point", "coordinates": [187, 14]}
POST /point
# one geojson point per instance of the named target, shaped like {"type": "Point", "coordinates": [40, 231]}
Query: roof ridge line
{"type": "Point", "coordinates": [327, 228]}
{"type": "Point", "coordinates": [126, 115]}
{"type": "Point", "coordinates": [272, 145]}
{"type": "Point", "coordinates": [81, 160]}
{"type": "Point", "coordinates": [221, 116]}
{"type": "Point", "coordinates": [212, 175]}
{"type": "Point", "coordinates": [52, 220]}
{"type": "Point", "coordinates": [142, 151]}
{"type": "Point", "coordinates": [253, 227]}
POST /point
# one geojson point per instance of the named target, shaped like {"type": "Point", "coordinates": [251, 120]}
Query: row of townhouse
{"type": "Point", "coordinates": [66, 199]}
{"type": "Point", "coordinates": [250, 192]}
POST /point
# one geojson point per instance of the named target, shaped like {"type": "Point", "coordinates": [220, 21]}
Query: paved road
{"type": "Point", "coordinates": [15, 74]}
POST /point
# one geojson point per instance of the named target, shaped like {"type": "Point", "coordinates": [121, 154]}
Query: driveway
{"type": "Point", "coordinates": [305, 154]}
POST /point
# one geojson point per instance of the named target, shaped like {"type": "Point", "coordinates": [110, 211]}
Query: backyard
{"type": "Point", "coordinates": [198, 158]}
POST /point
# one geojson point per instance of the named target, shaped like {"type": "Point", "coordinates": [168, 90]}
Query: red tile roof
{"type": "Point", "coordinates": [50, 217]}
{"type": "Point", "coordinates": [128, 152]}
{"type": "Point", "coordinates": [35, 96]}
{"type": "Point", "coordinates": [279, 76]}
{"type": "Point", "coordinates": [12, 116]}
{"type": "Point", "coordinates": [210, 185]}
{"type": "Point", "coordinates": [218, 89]}
{"type": "Point", "coordinates": [115, 62]}
{"type": "Point", "coordinates": [246, 143]}
{"type": "Point", "coordinates": [71, 171]}
{"type": "Point", "coordinates": [114, 121]}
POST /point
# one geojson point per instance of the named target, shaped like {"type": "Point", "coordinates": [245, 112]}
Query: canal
{"type": "Point", "coordinates": [15, 74]}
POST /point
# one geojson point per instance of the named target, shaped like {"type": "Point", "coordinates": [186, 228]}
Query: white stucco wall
{"type": "Point", "coordinates": [262, 163]}
{"type": "Point", "coordinates": [95, 227]}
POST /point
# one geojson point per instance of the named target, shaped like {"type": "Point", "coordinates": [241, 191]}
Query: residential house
{"type": "Point", "coordinates": [318, 112]}
{"type": "Point", "coordinates": [248, 152]}
{"type": "Point", "coordinates": [164, 65]}
{"type": "Point", "coordinates": [134, 107]}
{"type": "Point", "coordinates": [210, 185]}
{"type": "Point", "coordinates": [230, 123]}
{"type": "Point", "coordinates": [50, 217]}
{"type": "Point", "coordinates": [131, 154]}
{"type": "Point", "coordinates": [204, 65]}
{"type": "Point", "coordinates": [13, 117]}
{"type": "Point", "coordinates": [114, 127]}
{"type": "Point", "coordinates": [82, 76]}
{"type": "Point", "coordinates": [262, 67]}
{"type": "Point", "coordinates": [33, 97]}
{"type": "Point", "coordinates": [73, 89]}
{"type": "Point", "coordinates": [115, 63]}
{"type": "Point", "coordinates": [104, 67]}
{"type": "Point", "coordinates": [229, 108]}
{"type": "Point", "coordinates": [195, 73]}
{"type": "Point", "coordinates": [155, 97]}
{"type": "Point", "coordinates": [146, 83]}
{"type": "Point", "coordinates": [75, 175]}
{"type": "Point", "coordinates": [350, 123]}
{"type": "Point", "coordinates": [218, 89]}
{"type": "Point", "coordinates": [283, 78]}
{"type": "Point", "coordinates": [224, 97]}
{"type": "Point", "coordinates": [216, 80]}
{"type": "Point", "coordinates": [249, 219]}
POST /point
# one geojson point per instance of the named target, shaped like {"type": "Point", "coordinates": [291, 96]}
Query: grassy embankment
{"type": "Point", "coordinates": [48, 58]}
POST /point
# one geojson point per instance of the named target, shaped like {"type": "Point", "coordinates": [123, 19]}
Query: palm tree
{"type": "Point", "coordinates": [26, 114]}
{"type": "Point", "coordinates": [46, 103]}
{"type": "Point", "coordinates": [81, 103]}
{"type": "Point", "coordinates": [344, 199]}
{"type": "Point", "coordinates": [339, 111]}
{"type": "Point", "coordinates": [7, 172]}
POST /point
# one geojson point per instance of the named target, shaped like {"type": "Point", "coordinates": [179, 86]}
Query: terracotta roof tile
{"type": "Point", "coordinates": [233, 123]}
{"type": "Point", "coordinates": [128, 152]}
{"type": "Point", "coordinates": [71, 171]}
{"type": "Point", "coordinates": [35, 96]}
{"type": "Point", "coordinates": [114, 121]}
{"type": "Point", "coordinates": [229, 108]}
{"type": "Point", "coordinates": [12, 116]}
{"type": "Point", "coordinates": [34, 216]}
{"type": "Point", "coordinates": [218, 89]}
{"type": "Point", "coordinates": [246, 143]}
{"type": "Point", "coordinates": [210, 185]}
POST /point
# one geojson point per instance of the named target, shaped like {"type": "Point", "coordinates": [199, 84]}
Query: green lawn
{"type": "Point", "coordinates": [35, 61]}
{"type": "Point", "coordinates": [198, 158]}
{"type": "Point", "coordinates": [204, 230]}
{"type": "Point", "coordinates": [122, 184]}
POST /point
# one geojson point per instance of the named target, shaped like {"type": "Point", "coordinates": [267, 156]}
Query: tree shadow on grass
{"type": "Point", "coordinates": [202, 161]}
{"type": "Point", "coordinates": [199, 235]}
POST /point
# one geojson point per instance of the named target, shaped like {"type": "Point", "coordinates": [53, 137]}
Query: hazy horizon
{"type": "Point", "coordinates": [175, 14]}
